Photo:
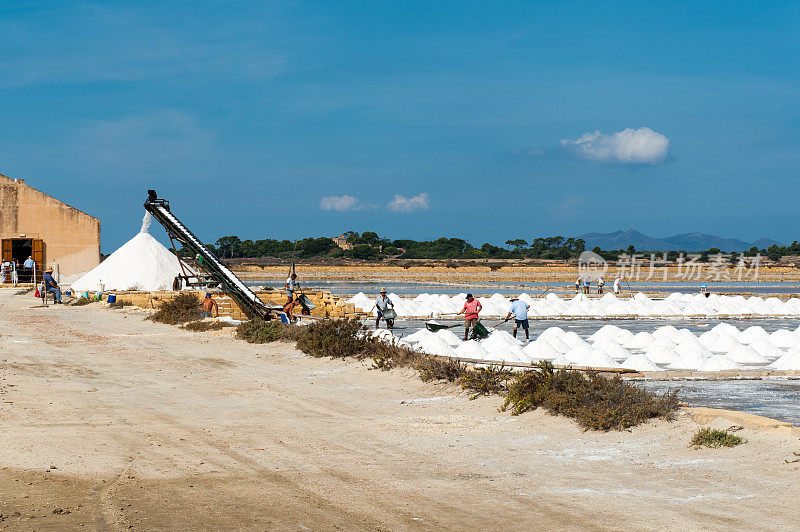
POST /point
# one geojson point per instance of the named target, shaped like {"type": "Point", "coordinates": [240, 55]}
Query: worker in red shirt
{"type": "Point", "coordinates": [471, 308]}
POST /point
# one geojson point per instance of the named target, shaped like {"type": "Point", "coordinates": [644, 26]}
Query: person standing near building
{"type": "Point", "coordinates": [586, 284]}
{"type": "Point", "coordinates": [50, 285]}
{"type": "Point", "coordinates": [600, 283]}
{"type": "Point", "coordinates": [383, 303]}
{"type": "Point", "coordinates": [578, 284]}
{"type": "Point", "coordinates": [617, 281]}
{"type": "Point", "coordinates": [520, 311]}
{"type": "Point", "coordinates": [471, 309]}
{"type": "Point", "coordinates": [29, 265]}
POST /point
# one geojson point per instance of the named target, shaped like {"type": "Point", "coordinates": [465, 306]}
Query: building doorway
{"type": "Point", "coordinates": [17, 250]}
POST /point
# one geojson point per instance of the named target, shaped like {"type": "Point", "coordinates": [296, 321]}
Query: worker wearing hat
{"type": "Point", "coordinates": [471, 308]}
{"type": "Point", "coordinates": [520, 311]}
{"type": "Point", "coordinates": [383, 303]}
{"type": "Point", "coordinates": [50, 285]}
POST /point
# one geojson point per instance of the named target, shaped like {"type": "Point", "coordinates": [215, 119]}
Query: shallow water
{"type": "Point", "coordinates": [773, 398]}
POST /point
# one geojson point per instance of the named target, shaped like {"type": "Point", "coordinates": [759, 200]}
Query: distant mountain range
{"type": "Point", "coordinates": [683, 242]}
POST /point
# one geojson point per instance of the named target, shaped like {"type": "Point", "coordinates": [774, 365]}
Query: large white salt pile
{"type": "Point", "coordinates": [142, 263]}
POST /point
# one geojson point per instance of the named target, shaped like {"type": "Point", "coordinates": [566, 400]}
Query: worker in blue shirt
{"type": "Point", "coordinates": [51, 285]}
{"type": "Point", "coordinates": [520, 311]}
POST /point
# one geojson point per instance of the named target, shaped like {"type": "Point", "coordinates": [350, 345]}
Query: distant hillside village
{"type": "Point", "coordinates": [369, 246]}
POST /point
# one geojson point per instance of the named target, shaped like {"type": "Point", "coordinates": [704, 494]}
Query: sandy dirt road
{"type": "Point", "coordinates": [110, 422]}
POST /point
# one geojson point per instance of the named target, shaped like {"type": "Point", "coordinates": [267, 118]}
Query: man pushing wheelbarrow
{"type": "Point", "coordinates": [383, 305]}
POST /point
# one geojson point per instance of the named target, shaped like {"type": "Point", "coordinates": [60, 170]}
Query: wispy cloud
{"type": "Point", "coordinates": [340, 203]}
{"type": "Point", "coordinates": [629, 146]}
{"type": "Point", "coordinates": [131, 43]}
{"type": "Point", "coordinates": [420, 202]}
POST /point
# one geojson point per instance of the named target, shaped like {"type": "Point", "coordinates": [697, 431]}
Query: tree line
{"type": "Point", "coordinates": [371, 247]}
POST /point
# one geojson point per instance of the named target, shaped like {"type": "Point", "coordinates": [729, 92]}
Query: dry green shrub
{"type": "Point", "coordinates": [487, 381]}
{"type": "Point", "coordinates": [182, 308]}
{"type": "Point", "coordinates": [595, 401]}
{"type": "Point", "coordinates": [25, 291]}
{"type": "Point", "coordinates": [335, 338]}
{"type": "Point", "coordinates": [715, 438]}
{"type": "Point", "coordinates": [202, 326]}
{"type": "Point", "coordinates": [120, 303]}
{"type": "Point", "coordinates": [262, 332]}
{"type": "Point", "coordinates": [81, 302]}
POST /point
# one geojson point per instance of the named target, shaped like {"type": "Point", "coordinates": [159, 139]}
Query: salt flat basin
{"type": "Point", "coordinates": [608, 306]}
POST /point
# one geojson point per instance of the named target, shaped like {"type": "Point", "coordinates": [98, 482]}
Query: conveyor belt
{"type": "Point", "coordinates": [232, 285]}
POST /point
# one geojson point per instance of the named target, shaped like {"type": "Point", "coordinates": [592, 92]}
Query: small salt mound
{"type": "Point", "coordinates": [784, 339]}
{"type": "Point", "coordinates": [688, 360]}
{"type": "Point", "coordinates": [661, 354]}
{"type": "Point", "coordinates": [499, 340]}
{"type": "Point", "coordinates": [717, 343]}
{"type": "Point", "coordinates": [751, 334]}
{"type": "Point", "coordinates": [576, 356]}
{"type": "Point", "coordinates": [434, 345]}
{"type": "Point", "coordinates": [612, 348]}
{"type": "Point", "coordinates": [639, 341]}
{"type": "Point", "coordinates": [551, 332]}
{"type": "Point", "coordinates": [449, 337]}
{"type": "Point", "coordinates": [766, 348]}
{"type": "Point", "coordinates": [718, 363]}
{"type": "Point", "coordinates": [640, 363]}
{"type": "Point", "coordinates": [508, 354]}
{"type": "Point", "coordinates": [618, 334]}
{"type": "Point", "coordinates": [557, 344]}
{"type": "Point", "coordinates": [668, 331]}
{"type": "Point", "coordinates": [596, 358]}
{"type": "Point", "coordinates": [540, 350]}
{"type": "Point", "coordinates": [727, 329]}
{"type": "Point", "coordinates": [142, 263]}
{"type": "Point", "coordinates": [573, 340]}
{"type": "Point", "coordinates": [743, 354]}
{"type": "Point", "coordinates": [471, 349]}
{"type": "Point", "coordinates": [562, 361]}
{"type": "Point", "coordinates": [789, 361]}
{"type": "Point", "coordinates": [419, 336]}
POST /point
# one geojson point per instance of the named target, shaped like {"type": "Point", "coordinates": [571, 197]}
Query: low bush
{"type": "Point", "coordinates": [25, 291]}
{"type": "Point", "coordinates": [335, 338]}
{"type": "Point", "coordinates": [262, 332]}
{"type": "Point", "coordinates": [202, 326]}
{"type": "Point", "coordinates": [182, 308]}
{"type": "Point", "coordinates": [81, 302]}
{"type": "Point", "coordinates": [715, 438]}
{"type": "Point", "coordinates": [120, 303]}
{"type": "Point", "coordinates": [595, 401]}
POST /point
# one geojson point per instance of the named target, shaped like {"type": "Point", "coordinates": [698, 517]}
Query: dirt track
{"type": "Point", "coordinates": [111, 422]}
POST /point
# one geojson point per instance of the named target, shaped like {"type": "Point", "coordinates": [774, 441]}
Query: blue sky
{"type": "Point", "coordinates": [432, 118]}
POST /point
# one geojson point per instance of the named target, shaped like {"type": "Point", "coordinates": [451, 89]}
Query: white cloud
{"type": "Point", "coordinates": [339, 203]}
{"type": "Point", "coordinates": [420, 202]}
{"type": "Point", "coordinates": [629, 146]}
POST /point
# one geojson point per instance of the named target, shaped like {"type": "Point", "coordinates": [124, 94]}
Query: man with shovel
{"type": "Point", "coordinates": [520, 311]}
{"type": "Point", "coordinates": [471, 308]}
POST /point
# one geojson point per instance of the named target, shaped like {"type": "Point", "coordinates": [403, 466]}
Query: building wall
{"type": "Point", "coordinates": [71, 237]}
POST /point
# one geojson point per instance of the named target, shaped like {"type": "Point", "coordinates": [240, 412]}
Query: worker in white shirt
{"type": "Point", "coordinates": [617, 281]}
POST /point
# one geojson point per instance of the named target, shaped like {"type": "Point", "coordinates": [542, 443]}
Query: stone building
{"type": "Point", "coordinates": [53, 233]}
